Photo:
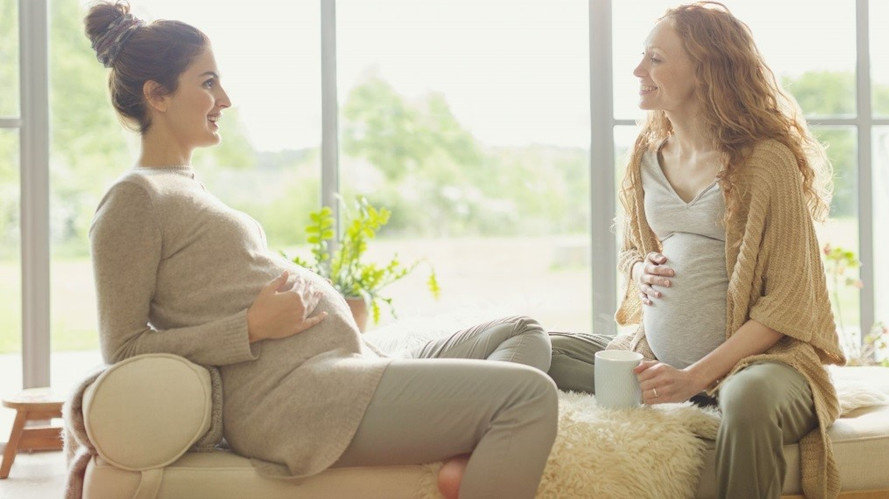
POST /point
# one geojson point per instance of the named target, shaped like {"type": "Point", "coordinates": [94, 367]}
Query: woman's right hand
{"type": "Point", "coordinates": [652, 272]}
{"type": "Point", "coordinates": [280, 311]}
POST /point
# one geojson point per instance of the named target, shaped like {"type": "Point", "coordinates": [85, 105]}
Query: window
{"type": "Point", "coordinates": [10, 187]}
{"type": "Point", "coordinates": [10, 269]}
{"type": "Point", "coordinates": [470, 122]}
{"type": "Point", "coordinates": [841, 228]}
{"type": "Point", "coordinates": [9, 50]}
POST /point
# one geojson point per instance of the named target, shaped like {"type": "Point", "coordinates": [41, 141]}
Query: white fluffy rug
{"type": "Point", "coordinates": [652, 451]}
{"type": "Point", "coordinates": [649, 452]}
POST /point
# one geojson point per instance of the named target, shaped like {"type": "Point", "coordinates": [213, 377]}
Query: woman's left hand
{"type": "Point", "coordinates": [662, 383]}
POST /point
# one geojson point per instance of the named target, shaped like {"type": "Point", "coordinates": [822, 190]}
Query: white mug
{"type": "Point", "coordinates": [616, 384]}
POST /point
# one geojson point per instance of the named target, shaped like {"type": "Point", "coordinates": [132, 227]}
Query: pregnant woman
{"type": "Point", "coordinates": [178, 271]}
{"type": "Point", "coordinates": [723, 270]}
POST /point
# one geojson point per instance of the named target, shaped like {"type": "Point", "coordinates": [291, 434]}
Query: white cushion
{"type": "Point", "coordinates": [148, 410]}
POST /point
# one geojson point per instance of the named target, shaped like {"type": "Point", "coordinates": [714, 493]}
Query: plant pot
{"type": "Point", "coordinates": [359, 311]}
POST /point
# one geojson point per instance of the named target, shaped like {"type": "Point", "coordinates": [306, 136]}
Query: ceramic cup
{"type": "Point", "coordinates": [616, 383]}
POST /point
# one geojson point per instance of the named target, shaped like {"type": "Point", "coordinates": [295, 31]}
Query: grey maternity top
{"type": "Point", "coordinates": [688, 321]}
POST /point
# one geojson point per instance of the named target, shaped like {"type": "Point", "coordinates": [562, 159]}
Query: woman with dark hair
{"type": "Point", "coordinates": [178, 271]}
{"type": "Point", "coordinates": [723, 272]}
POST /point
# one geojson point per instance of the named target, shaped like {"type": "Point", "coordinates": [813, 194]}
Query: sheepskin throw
{"type": "Point", "coordinates": [652, 451]}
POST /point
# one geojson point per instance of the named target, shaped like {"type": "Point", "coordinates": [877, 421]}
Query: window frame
{"type": "Point", "coordinates": [33, 124]}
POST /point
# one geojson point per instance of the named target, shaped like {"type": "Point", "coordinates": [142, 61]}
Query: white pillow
{"type": "Point", "coordinates": [146, 411]}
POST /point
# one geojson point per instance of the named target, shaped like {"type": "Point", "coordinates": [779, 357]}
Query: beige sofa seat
{"type": "Point", "coordinates": [144, 451]}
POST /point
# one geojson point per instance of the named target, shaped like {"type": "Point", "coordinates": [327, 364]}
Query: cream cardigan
{"type": "Point", "coordinates": [776, 278]}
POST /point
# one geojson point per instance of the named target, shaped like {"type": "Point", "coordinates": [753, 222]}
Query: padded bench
{"type": "Point", "coordinates": [143, 449]}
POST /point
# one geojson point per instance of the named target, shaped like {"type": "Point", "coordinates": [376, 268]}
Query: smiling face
{"type": "Point", "coordinates": [192, 111]}
{"type": "Point", "coordinates": [666, 73]}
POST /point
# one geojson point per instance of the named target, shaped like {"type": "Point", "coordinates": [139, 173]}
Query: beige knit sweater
{"type": "Point", "coordinates": [176, 271]}
{"type": "Point", "coordinates": [776, 278]}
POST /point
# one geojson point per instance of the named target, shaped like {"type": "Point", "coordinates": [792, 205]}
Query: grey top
{"type": "Point", "coordinates": [176, 270]}
{"type": "Point", "coordinates": [688, 321]}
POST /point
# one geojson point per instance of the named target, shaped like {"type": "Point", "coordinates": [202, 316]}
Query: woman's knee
{"type": "Point", "coordinates": [750, 398]}
{"type": "Point", "coordinates": [530, 342]}
{"type": "Point", "coordinates": [524, 325]}
{"type": "Point", "coordinates": [540, 389]}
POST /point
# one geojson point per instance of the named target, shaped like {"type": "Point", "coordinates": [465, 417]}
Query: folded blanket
{"type": "Point", "coordinates": [79, 450]}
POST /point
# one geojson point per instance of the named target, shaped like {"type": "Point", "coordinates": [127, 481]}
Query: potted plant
{"type": "Point", "coordinates": [358, 281]}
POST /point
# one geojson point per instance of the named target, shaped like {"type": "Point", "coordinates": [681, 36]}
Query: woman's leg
{"type": "Point", "coordinates": [516, 339]}
{"type": "Point", "coordinates": [764, 406]}
{"type": "Point", "coordinates": [574, 360]}
{"type": "Point", "coordinates": [425, 411]}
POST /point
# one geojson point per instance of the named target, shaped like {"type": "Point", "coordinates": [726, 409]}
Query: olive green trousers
{"type": "Point", "coordinates": [764, 406]}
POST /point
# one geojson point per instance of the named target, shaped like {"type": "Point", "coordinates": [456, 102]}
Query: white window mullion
{"type": "Point", "coordinates": [34, 167]}
{"type": "Point", "coordinates": [329, 109]}
{"type": "Point", "coordinates": [865, 170]}
{"type": "Point", "coordinates": [602, 195]}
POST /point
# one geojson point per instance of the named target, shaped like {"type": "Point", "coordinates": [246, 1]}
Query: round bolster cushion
{"type": "Point", "coordinates": [146, 411]}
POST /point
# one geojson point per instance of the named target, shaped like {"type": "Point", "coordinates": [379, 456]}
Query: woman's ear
{"type": "Point", "coordinates": [155, 95]}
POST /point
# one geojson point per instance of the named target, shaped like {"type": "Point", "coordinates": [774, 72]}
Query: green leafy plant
{"type": "Point", "coordinates": [837, 262]}
{"type": "Point", "coordinates": [342, 263]}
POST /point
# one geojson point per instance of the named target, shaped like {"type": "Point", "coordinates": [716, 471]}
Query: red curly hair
{"type": "Point", "coordinates": [741, 102]}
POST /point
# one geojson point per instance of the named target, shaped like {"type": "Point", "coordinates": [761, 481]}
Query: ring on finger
{"type": "Point", "coordinates": [654, 390]}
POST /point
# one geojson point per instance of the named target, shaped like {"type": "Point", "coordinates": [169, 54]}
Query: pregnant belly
{"type": "Point", "coordinates": [688, 321]}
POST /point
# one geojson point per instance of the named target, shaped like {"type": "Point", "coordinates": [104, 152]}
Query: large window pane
{"type": "Point", "coordinates": [841, 228]}
{"type": "Point", "coordinates": [820, 72]}
{"type": "Point", "coordinates": [470, 120]}
{"type": "Point", "coordinates": [9, 58]}
{"type": "Point", "coordinates": [10, 272]}
{"type": "Point", "coordinates": [267, 164]}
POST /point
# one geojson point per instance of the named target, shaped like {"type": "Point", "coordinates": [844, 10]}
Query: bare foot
{"type": "Point", "coordinates": [451, 474]}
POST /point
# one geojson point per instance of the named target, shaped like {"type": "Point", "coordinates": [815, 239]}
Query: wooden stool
{"type": "Point", "coordinates": [30, 405]}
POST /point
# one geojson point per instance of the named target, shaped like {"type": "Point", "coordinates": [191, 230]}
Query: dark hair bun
{"type": "Point", "coordinates": [136, 52]}
{"type": "Point", "coordinates": [108, 26]}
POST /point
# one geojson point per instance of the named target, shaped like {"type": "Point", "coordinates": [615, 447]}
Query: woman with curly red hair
{"type": "Point", "coordinates": [723, 272]}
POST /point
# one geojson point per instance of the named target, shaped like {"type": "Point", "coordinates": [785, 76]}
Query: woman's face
{"type": "Point", "coordinates": [193, 110]}
{"type": "Point", "coordinates": [666, 73]}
